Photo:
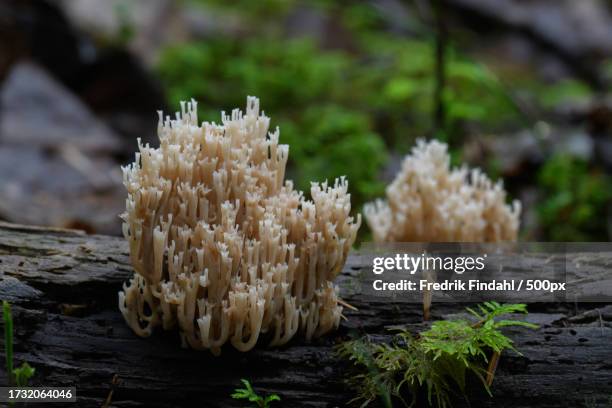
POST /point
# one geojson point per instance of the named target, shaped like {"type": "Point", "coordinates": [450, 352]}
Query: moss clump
{"type": "Point", "coordinates": [436, 362]}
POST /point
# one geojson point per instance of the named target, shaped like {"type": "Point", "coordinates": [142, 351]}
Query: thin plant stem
{"type": "Point", "coordinates": [492, 368]}
{"type": "Point", "coordinates": [439, 114]}
{"type": "Point", "coordinates": [8, 340]}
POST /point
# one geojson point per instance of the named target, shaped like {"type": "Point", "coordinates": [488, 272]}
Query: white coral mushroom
{"type": "Point", "coordinates": [222, 247]}
{"type": "Point", "coordinates": [430, 202]}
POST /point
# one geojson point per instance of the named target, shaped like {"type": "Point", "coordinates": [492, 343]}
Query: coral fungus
{"type": "Point", "coordinates": [430, 202]}
{"type": "Point", "coordinates": [222, 246]}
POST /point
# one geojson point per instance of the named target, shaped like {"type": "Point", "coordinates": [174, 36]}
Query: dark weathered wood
{"type": "Point", "coordinates": [63, 285]}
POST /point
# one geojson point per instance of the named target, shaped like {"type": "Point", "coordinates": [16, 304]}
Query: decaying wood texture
{"type": "Point", "coordinates": [63, 285]}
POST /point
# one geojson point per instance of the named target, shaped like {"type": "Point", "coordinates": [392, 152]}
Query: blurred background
{"type": "Point", "coordinates": [520, 88]}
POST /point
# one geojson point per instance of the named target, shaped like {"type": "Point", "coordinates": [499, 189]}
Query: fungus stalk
{"type": "Point", "coordinates": [223, 248]}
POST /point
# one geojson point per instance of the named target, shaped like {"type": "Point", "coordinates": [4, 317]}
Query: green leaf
{"type": "Point", "coordinates": [248, 393]}
{"type": "Point", "coordinates": [269, 399]}
{"type": "Point", "coordinates": [23, 374]}
{"type": "Point", "coordinates": [8, 338]}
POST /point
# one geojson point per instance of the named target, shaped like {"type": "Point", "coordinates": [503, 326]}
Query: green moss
{"type": "Point", "coordinates": [576, 200]}
{"type": "Point", "coordinates": [434, 364]}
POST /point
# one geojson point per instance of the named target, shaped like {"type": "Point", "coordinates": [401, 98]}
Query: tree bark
{"type": "Point", "coordinates": [63, 285]}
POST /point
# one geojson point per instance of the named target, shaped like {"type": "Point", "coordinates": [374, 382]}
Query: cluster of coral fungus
{"type": "Point", "coordinates": [222, 246]}
{"type": "Point", "coordinates": [430, 202]}
{"type": "Point", "coordinates": [226, 250]}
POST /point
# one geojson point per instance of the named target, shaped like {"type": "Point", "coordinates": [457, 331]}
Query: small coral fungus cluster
{"type": "Point", "coordinates": [430, 202]}
{"type": "Point", "coordinates": [222, 247]}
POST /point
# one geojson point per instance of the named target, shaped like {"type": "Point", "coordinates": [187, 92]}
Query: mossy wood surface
{"type": "Point", "coordinates": [63, 285]}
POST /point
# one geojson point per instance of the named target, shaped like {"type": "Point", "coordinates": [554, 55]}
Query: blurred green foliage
{"type": "Point", "coordinates": [343, 103]}
{"type": "Point", "coordinates": [126, 30]}
{"type": "Point", "coordinates": [307, 93]}
{"type": "Point", "coordinates": [473, 96]}
{"type": "Point", "coordinates": [339, 111]}
{"type": "Point", "coordinates": [576, 200]}
{"type": "Point", "coordinates": [567, 91]}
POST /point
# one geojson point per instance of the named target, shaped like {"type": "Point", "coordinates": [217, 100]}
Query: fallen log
{"type": "Point", "coordinates": [63, 285]}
